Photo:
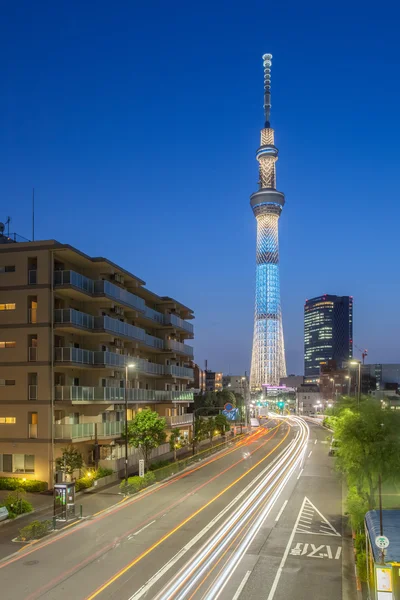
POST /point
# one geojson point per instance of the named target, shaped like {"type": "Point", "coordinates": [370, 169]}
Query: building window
{"type": "Point", "coordinates": [8, 269]}
{"type": "Point", "coordinates": [7, 344]}
{"type": "Point", "coordinates": [7, 382]}
{"type": "Point", "coordinates": [9, 306]}
{"type": "Point", "coordinates": [17, 463]}
{"type": "Point", "coordinates": [7, 420]}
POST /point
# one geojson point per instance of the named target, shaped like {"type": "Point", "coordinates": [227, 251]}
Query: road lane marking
{"type": "Point", "coordinates": [309, 454]}
{"type": "Point", "coordinates": [241, 586]}
{"type": "Point", "coordinates": [281, 511]}
{"type": "Point", "coordinates": [145, 527]}
{"type": "Point", "coordinates": [175, 529]}
{"type": "Point", "coordinates": [321, 525]}
{"type": "Point", "coordinates": [315, 442]}
{"type": "Point", "coordinates": [285, 555]}
{"type": "Point", "coordinates": [299, 475]}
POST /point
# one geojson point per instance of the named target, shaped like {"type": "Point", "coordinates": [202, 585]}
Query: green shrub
{"type": "Point", "coordinates": [159, 464]}
{"type": "Point", "coordinates": [35, 530]}
{"type": "Point", "coordinates": [360, 542]}
{"type": "Point", "coordinates": [136, 483]}
{"type": "Point", "coordinates": [30, 485]}
{"type": "Point", "coordinates": [16, 504]}
{"type": "Point", "coordinates": [357, 508]}
{"type": "Point", "coordinates": [83, 483]}
{"type": "Point", "coordinates": [103, 472]}
{"type": "Point", "coordinates": [362, 565]}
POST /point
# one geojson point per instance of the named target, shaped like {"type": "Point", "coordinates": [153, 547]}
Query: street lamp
{"type": "Point", "coordinates": [127, 366]}
{"type": "Point", "coordinates": [358, 362]}
{"type": "Point", "coordinates": [333, 387]}
{"type": "Point", "coordinates": [348, 377]}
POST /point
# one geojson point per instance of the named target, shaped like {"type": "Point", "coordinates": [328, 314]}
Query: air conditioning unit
{"type": "Point", "coordinates": [118, 343]}
{"type": "Point", "coordinates": [118, 278]}
{"type": "Point", "coordinates": [118, 310]}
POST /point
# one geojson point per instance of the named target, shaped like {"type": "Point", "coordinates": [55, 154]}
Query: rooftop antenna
{"type": "Point", "coordinates": [33, 214]}
{"type": "Point", "coordinates": [8, 221]}
{"type": "Point", "coordinates": [267, 61]}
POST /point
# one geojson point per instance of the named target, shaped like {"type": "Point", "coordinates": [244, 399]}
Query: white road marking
{"type": "Point", "coordinates": [338, 551]}
{"type": "Point", "coordinates": [281, 511]}
{"type": "Point", "coordinates": [285, 555]}
{"type": "Point", "coordinates": [309, 454]}
{"type": "Point", "coordinates": [316, 551]}
{"type": "Point", "coordinates": [321, 524]}
{"type": "Point", "coordinates": [299, 475]}
{"type": "Point", "coordinates": [241, 586]}
{"type": "Point", "coordinates": [145, 527]}
{"type": "Point", "coordinates": [315, 442]}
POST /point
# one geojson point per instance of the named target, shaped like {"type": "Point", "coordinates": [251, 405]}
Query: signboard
{"type": "Point", "coordinates": [141, 468]}
{"type": "Point", "coordinates": [382, 541]}
{"type": "Point", "coordinates": [383, 579]}
{"type": "Point", "coordinates": [228, 406]}
{"type": "Point", "coordinates": [231, 415]}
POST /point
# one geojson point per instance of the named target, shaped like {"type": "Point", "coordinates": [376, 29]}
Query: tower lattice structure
{"type": "Point", "coordinates": [268, 355]}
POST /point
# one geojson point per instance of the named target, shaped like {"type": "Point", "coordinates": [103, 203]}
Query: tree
{"type": "Point", "coordinates": [221, 424]}
{"type": "Point", "coordinates": [369, 446]}
{"type": "Point", "coordinates": [146, 432]}
{"type": "Point", "coordinates": [210, 428]}
{"type": "Point", "coordinates": [175, 441]}
{"type": "Point", "coordinates": [225, 396]}
{"type": "Point", "coordinates": [71, 460]}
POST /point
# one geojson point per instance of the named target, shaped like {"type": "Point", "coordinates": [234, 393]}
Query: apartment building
{"type": "Point", "coordinates": [73, 330]}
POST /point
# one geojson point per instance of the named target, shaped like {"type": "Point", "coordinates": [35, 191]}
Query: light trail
{"type": "Point", "coordinates": [245, 523]}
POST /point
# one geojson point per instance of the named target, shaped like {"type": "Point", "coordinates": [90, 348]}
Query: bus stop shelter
{"type": "Point", "coordinates": [383, 565]}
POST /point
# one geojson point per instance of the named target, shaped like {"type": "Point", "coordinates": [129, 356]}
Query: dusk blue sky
{"type": "Point", "coordinates": [137, 123]}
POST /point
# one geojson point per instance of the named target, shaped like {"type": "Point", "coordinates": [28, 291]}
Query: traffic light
{"type": "Point", "coordinates": [281, 405]}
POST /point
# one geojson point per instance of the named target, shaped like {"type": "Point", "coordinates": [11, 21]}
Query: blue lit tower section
{"type": "Point", "coordinates": [268, 356]}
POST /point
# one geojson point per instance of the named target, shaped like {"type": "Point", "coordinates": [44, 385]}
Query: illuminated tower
{"type": "Point", "coordinates": [268, 356]}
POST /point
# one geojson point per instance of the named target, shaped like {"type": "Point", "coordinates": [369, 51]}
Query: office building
{"type": "Point", "coordinates": [268, 354]}
{"type": "Point", "coordinates": [292, 381]}
{"type": "Point", "coordinates": [238, 384]}
{"type": "Point", "coordinates": [380, 377]}
{"type": "Point", "coordinates": [69, 326]}
{"type": "Point", "coordinates": [308, 400]}
{"type": "Point", "coordinates": [213, 381]}
{"type": "Point", "coordinates": [328, 332]}
{"type": "Point", "coordinates": [335, 382]}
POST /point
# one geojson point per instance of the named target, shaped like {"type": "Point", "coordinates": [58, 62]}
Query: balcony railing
{"type": "Point", "coordinates": [152, 314]}
{"type": "Point", "coordinates": [74, 317]}
{"type": "Point", "coordinates": [179, 347]}
{"type": "Point", "coordinates": [80, 393]}
{"type": "Point", "coordinates": [32, 392]}
{"type": "Point", "coordinates": [32, 277]}
{"type": "Point", "coordinates": [75, 279]}
{"type": "Point", "coordinates": [178, 322]}
{"type": "Point", "coordinates": [117, 395]}
{"type": "Point", "coordinates": [116, 293]}
{"type": "Point", "coordinates": [32, 354]}
{"type": "Point", "coordinates": [88, 430]}
{"type": "Point", "coordinates": [32, 431]}
{"type": "Point", "coordinates": [32, 315]}
{"type": "Point", "coordinates": [179, 371]}
{"type": "Point", "coordinates": [75, 355]}
{"type": "Point", "coordinates": [185, 419]}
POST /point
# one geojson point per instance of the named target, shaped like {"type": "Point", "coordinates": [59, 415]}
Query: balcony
{"type": "Point", "coordinates": [145, 366]}
{"type": "Point", "coordinates": [179, 371]}
{"type": "Point", "coordinates": [176, 321]}
{"type": "Point", "coordinates": [87, 431]}
{"type": "Point", "coordinates": [74, 355]}
{"type": "Point", "coordinates": [70, 316]}
{"type": "Point", "coordinates": [88, 394]}
{"type": "Point", "coordinates": [98, 288]}
{"type": "Point", "coordinates": [110, 395]}
{"type": "Point", "coordinates": [152, 314]}
{"type": "Point", "coordinates": [185, 419]}
{"type": "Point", "coordinates": [180, 348]}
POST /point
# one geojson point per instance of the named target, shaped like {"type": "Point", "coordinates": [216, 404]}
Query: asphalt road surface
{"type": "Point", "coordinates": [210, 532]}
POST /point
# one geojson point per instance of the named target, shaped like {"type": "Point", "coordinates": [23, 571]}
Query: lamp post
{"type": "Point", "coordinates": [358, 362]}
{"type": "Point", "coordinates": [348, 377]}
{"type": "Point", "coordinates": [127, 366]}
{"type": "Point", "coordinates": [333, 387]}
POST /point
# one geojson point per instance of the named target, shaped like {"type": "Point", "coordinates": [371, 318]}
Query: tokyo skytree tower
{"type": "Point", "coordinates": [268, 356]}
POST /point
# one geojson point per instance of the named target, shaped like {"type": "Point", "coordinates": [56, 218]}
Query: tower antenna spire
{"type": "Point", "coordinates": [267, 61]}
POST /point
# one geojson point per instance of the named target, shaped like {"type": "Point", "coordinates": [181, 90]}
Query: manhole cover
{"type": "Point", "coordinates": [31, 562]}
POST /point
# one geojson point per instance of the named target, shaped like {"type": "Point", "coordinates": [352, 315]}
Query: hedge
{"type": "Point", "coordinates": [136, 483]}
{"type": "Point", "coordinates": [35, 530]}
{"type": "Point", "coordinates": [86, 482]}
{"type": "Point", "coordinates": [15, 483]}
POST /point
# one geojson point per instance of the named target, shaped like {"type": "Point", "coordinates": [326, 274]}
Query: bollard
{"type": "Point", "coordinates": [80, 511]}
{"type": "Point", "coordinates": [54, 522]}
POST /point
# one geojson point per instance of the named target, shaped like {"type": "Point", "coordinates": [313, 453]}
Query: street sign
{"type": "Point", "coordinates": [141, 468]}
{"type": "Point", "coordinates": [228, 406]}
{"type": "Point", "coordinates": [382, 541]}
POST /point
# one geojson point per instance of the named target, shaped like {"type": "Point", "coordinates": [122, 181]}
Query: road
{"type": "Point", "coordinates": [207, 533]}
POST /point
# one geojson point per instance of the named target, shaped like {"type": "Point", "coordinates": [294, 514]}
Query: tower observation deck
{"type": "Point", "coordinates": [268, 355]}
